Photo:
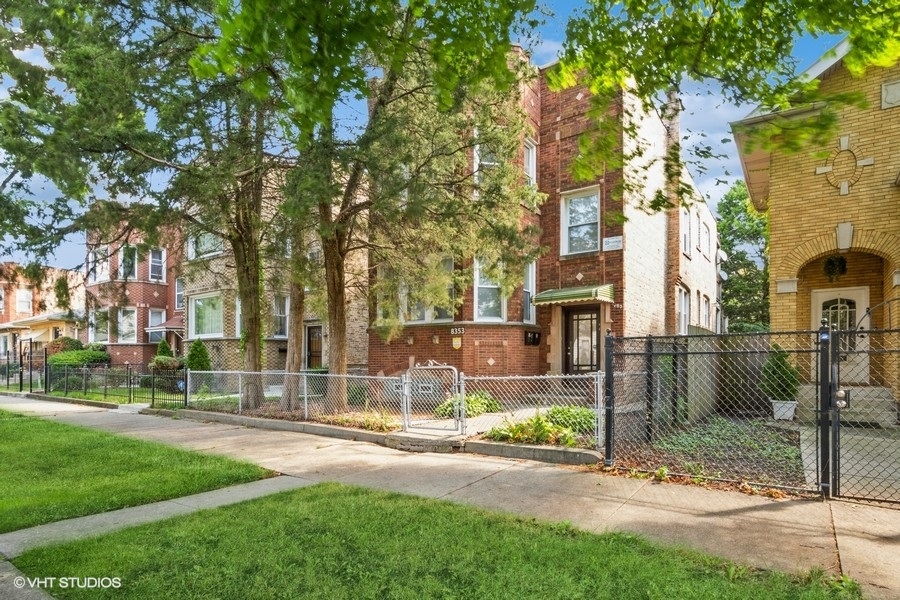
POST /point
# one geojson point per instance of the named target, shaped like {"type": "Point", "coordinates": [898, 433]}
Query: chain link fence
{"type": "Point", "coordinates": [372, 403]}
{"type": "Point", "coordinates": [701, 406]}
{"type": "Point", "coordinates": [535, 409]}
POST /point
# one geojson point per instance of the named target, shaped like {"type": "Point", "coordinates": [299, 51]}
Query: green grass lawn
{"type": "Point", "coordinates": [52, 471]}
{"type": "Point", "coordinates": [332, 541]}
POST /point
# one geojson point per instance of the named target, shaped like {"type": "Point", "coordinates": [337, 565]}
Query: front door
{"type": "Point", "coordinates": [582, 352]}
{"type": "Point", "coordinates": [314, 347]}
{"type": "Point", "coordinates": [845, 310]}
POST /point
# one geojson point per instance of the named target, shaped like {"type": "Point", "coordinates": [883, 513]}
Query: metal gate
{"type": "Point", "coordinates": [431, 399]}
{"type": "Point", "coordinates": [859, 437]}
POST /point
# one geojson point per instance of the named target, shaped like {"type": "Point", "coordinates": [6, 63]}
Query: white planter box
{"type": "Point", "coordinates": [783, 410]}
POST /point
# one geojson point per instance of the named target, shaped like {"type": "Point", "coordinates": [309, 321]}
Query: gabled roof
{"type": "Point", "coordinates": [756, 163]}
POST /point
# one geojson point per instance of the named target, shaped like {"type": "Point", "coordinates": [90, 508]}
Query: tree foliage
{"type": "Point", "coordinates": [744, 237]}
{"type": "Point", "coordinates": [399, 183]}
{"type": "Point", "coordinates": [745, 46]}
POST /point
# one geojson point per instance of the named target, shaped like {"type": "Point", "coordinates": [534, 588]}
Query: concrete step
{"type": "Point", "coordinates": [868, 404]}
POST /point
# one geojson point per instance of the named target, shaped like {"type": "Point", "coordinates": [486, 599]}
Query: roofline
{"type": "Point", "coordinates": [833, 56]}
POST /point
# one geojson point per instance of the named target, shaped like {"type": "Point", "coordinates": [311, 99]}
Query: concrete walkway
{"type": "Point", "coordinates": [862, 542]}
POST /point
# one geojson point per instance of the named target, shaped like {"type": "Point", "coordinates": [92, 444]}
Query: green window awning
{"type": "Point", "coordinates": [596, 293]}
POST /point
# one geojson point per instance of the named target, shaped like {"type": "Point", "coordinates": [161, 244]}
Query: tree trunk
{"type": "Point", "coordinates": [337, 323]}
{"type": "Point", "coordinates": [290, 395]}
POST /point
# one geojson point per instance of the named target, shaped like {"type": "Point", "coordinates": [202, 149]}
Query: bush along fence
{"type": "Point", "coordinates": [99, 381]}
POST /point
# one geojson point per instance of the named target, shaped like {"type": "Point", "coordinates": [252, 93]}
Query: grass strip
{"type": "Point", "coordinates": [52, 471]}
{"type": "Point", "coordinates": [333, 541]}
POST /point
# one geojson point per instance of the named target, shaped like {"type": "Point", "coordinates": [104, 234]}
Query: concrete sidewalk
{"type": "Point", "coordinates": [862, 542]}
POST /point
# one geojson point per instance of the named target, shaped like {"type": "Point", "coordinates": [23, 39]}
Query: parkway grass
{"type": "Point", "coordinates": [333, 541]}
{"type": "Point", "coordinates": [53, 471]}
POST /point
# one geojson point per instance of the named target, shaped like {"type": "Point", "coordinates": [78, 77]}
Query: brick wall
{"type": "Point", "coordinates": [805, 207]}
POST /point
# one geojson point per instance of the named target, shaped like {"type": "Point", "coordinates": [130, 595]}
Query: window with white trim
{"type": "Point", "coordinates": [280, 307]}
{"type": "Point", "coordinates": [528, 288]}
{"type": "Point", "coordinates": [704, 312]}
{"type": "Point", "coordinates": [489, 302]}
{"type": "Point", "coordinates": [127, 262]}
{"type": "Point", "coordinates": [4, 344]}
{"type": "Point", "coordinates": [580, 223]}
{"type": "Point", "coordinates": [179, 293]}
{"type": "Point", "coordinates": [98, 264]}
{"type": "Point", "coordinates": [126, 330]}
{"type": "Point", "coordinates": [24, 301]}
{"type": "Point", "coordinates": [707, 241]}
{"type": "Point", "coordinates": [204, 244]}
{"type": "Point", "coordinates": [686, 231]}
{"type": "Point", "coordinates": [155, 318]}
{"type": "Point", "coordinates": [529, 162]}
{"type": "Point", "coordinates": [238, 318]}
{"type": "Point", "coordinates": [98, 326]}
{"type": "Point", "coordinates": [205, 316]}
{"type": "Point", "coordinates": [420, 312]}
{"type": "Point", "coordinates": [683, 306]}
{"type": "Point", "coordinates": [157, 264]}
{"type": "Point", "coordinates": [2, 300]}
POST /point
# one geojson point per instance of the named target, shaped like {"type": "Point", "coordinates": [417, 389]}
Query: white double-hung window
{"type": "Point", "coordinates": [205, 316]}
{"type": "Point", "coordinates": [489, 302]}
{"type": "Point", "coordinates": [580, 220]}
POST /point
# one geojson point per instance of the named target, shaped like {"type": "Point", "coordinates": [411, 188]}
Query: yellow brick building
{"type": "Point", "coordinates": [834, 214]}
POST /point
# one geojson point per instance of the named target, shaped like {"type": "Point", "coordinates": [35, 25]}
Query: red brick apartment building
{"type": "Point", "coordinates": [651, 274]}
{"type": "Point", "coordinates": [133, 299]}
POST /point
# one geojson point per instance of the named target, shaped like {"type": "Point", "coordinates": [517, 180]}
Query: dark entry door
{"type": "Point", "coordinates": [314, 347]}
{"type": "Point", "coordinates": [582, 335]}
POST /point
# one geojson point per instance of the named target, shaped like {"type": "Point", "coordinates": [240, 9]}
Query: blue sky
{"type": "Point", "coordinates": [704, 112]}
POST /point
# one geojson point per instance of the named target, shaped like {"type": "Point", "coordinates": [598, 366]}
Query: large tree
{"type": "Point", "coordinates": [409, 61]}
{"type": "Point", "coordinates": [744, 237]}
{"type": "Point", "coordinates": [743, 46]}
{"type": "Point", "coordinates": [104, 108]}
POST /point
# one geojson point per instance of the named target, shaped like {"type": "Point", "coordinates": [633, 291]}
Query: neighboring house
{"type": "Point", "coordinates": [212, 312]}
{"type": "Point", "coordinates": [651, 274]}
{"type": "Point", "coordinates": [834, 245]}
{"type": "Point", "coordinates": [131, 299]}
{"type": "Point", "coordinates": [30, 315]}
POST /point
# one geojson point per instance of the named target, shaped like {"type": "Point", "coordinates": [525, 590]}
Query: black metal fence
{"type": "Point", "coordinates": [750, 408]}
{"type": "Point", "coordinates": [122, 384]}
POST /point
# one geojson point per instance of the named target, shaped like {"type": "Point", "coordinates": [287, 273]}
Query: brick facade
{"type": "Point", "coordinates": [632, 257]}
{"type": "Point", "coordinates": [838, 202]}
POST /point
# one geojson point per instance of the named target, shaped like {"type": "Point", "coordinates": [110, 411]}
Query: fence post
{"type": "Point", "coordinates": [46, 373]}
{"type": "Point", "coordinates": [30, 367]}
{"type": "Point", "coordinates": [305, 397]}
{"type": "Point", "coordinates": [240, 392]}
{"type": "Point", "coordinates": [105, 380]}
{"type": "Point", "coordinates": [609, 401]}
{"type": "Point", "coordinates": [405, 391]}
{"type": "Point", "coordinates": [648, 368]}
{"type": "Point", "coordinates": [66, 380]}
{"type": "Point", "coordinates": [152, 387]}
{"type": "Point", "coordinates": [184, 381]}
{"type": "Point", "coordinates": [462, 403]}
{"type": "Point", "coordinates": [824, 409]}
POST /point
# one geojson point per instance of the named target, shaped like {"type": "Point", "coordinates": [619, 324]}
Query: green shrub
{"type": "Point", "coordinates": [357, 395]}
{"type": "Point", "coordinates": [577, 418]}
{"type": "Point", "coordinates": [198, 357]}
{"type": "Point", "coordinates": [477, 403]}
{"type": "Point", "coordinates": [168, 363]}
{"type": "Point", "coordinates": [163, 349]}
{"type": "Point", "coordinates": [78, 358]}
{"type": "Point", "coordinates": [96, 347]}
{"type": "Point", "coordinates": [536, 430]}
{"type": "Point", "coordinates": [779, 379]}
{"type": "Point", "coordinates": [63, 344]}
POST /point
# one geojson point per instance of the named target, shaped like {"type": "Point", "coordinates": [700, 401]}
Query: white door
{"type": "Point", "coordinates": [845, 309]}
